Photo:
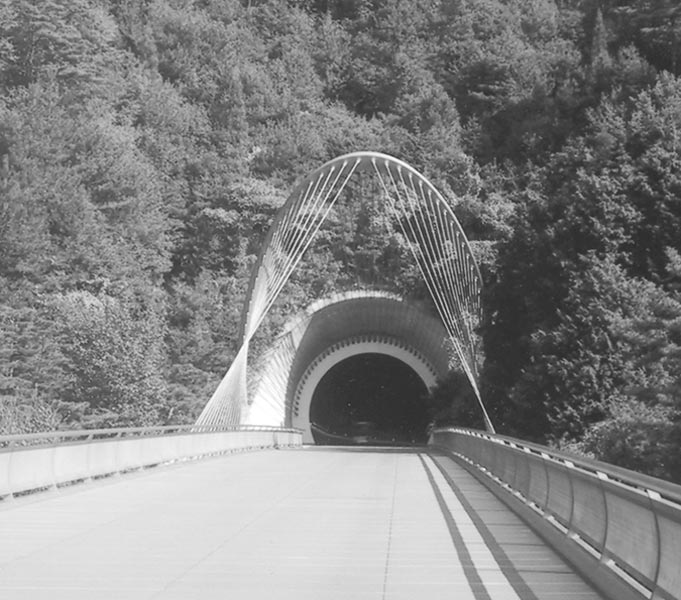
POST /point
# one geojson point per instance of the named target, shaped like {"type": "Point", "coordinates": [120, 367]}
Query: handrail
{"type": "Point", "coordinates": [24, 439]}
{"type": "Point", "coordinates": [628, 522]}
{"type": "Point", "coordinates": [50, 459]}
{"type": "Point", "coordinates": [667, 489]}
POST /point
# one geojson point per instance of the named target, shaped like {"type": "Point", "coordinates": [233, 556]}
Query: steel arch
{"type": "Point", "coordinates": [436, 239]}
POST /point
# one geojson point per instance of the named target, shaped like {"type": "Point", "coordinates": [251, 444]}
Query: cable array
{"type": "Point", "coordinates": [428, 224]}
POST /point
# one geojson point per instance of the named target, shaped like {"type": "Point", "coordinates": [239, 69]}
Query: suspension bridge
{"type": "Point", "coordinates": [246, 503]}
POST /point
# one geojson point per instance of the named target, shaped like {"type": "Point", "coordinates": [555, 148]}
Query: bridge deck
{"type": "Point", "coordinates": [311, 523]}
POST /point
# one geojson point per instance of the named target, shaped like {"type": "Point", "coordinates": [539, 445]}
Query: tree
{"type": "Point", "coordinates": [115, 359]}
{"type": "Point", "coordinates": [642, 430]}
{"type": "Point", "coordinates": [31, 380]}
{"type": "Point", "coordinates": [609, 194]}
{"type": "Point", "coordinates": [452, 403]}
{"type": "Point", "coordinates": [656, 28]}
{"type": "Point", "coordinates": [74, 39]}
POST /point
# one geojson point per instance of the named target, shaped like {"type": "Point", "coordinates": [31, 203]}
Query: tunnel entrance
{"type": "Point", "coordinates": [370, 398]}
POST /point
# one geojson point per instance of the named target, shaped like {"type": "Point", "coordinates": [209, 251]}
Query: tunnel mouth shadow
{"type": "Point", "coordinates": [370, 399]}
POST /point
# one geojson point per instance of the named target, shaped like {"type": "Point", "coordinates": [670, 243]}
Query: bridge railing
{"type": "Point", "coordinates": [623, 522]}
{"type": "Point", "coordinates": [45, 460]}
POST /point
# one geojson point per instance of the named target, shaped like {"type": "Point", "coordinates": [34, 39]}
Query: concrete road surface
{"type": "Point", "coordinates": [314, 523]}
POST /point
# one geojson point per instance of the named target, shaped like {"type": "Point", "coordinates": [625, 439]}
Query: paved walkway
{"type": "Point", "coordinates": [337, 524]}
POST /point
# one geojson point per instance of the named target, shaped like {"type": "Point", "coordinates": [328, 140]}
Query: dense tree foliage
{"type": "Point", "coordinates": [145, 146]}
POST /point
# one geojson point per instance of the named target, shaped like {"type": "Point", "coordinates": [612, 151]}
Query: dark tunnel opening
{"type": "Point", "coordinates": [370, 399]}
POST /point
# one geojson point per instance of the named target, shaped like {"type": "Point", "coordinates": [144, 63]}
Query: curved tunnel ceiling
{"type": "Point", "coordinates": [333, 331]}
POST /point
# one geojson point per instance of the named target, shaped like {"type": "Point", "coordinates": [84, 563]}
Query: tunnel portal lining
{"type": "Point", "coordinates": [370, 344]}
{"type": "Point", "coordinates": [364, 316]}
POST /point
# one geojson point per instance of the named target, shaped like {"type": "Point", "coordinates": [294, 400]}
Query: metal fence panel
{"type": "Point", "coordinates": [36, 461]}
{"type": "Point", "coordinates": [589, 513]}
{"type": "Point", "coordinates": [669, 577]}
{"type": "Point", "coordinates": [632, 538]}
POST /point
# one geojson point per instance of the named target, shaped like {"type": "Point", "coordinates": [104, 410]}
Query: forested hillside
{"type": "Point", "coordinates": [146, 144]}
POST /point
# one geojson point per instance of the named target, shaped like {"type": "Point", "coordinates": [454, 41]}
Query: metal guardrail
{"type": "Point", "coordinates": [627, 522]}
{"type": "Point", "coordinates": [50, 459]}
